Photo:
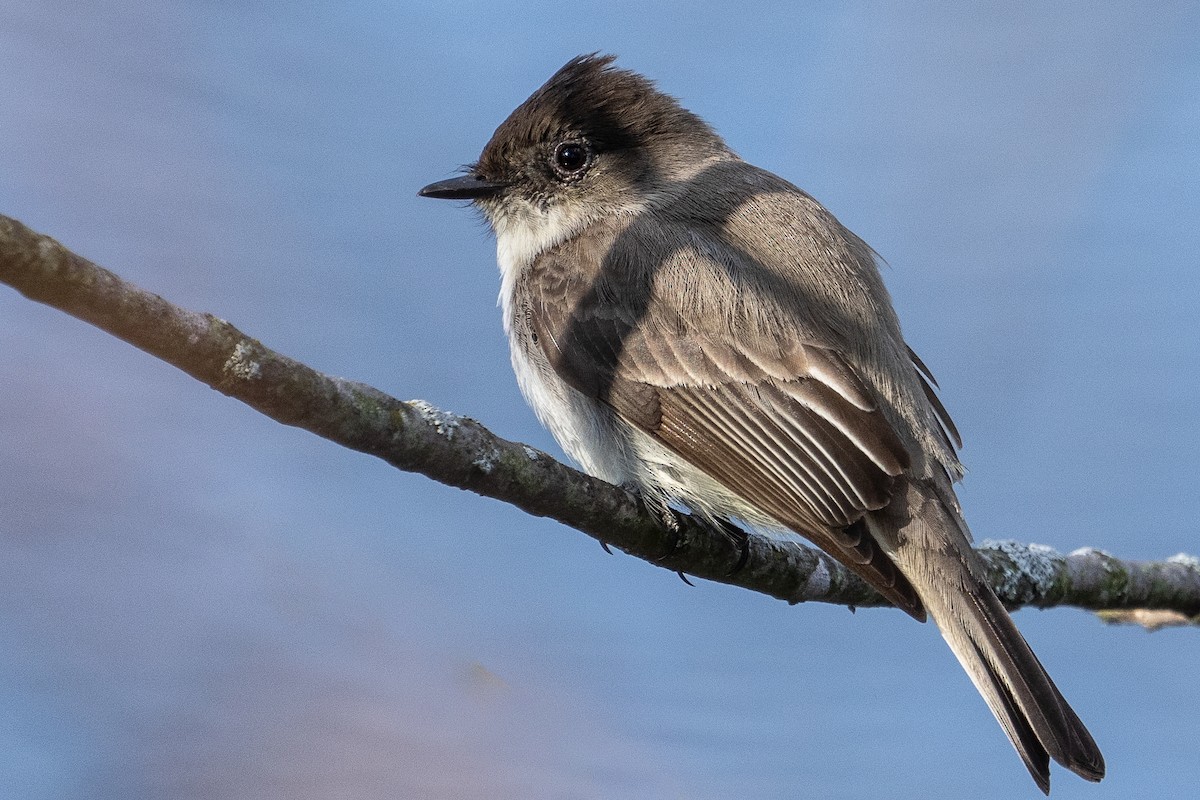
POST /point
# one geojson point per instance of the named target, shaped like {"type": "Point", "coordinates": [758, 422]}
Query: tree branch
{"type": "Point", "coordinates": [458, 451]}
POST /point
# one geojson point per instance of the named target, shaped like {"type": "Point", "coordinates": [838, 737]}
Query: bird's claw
{"type": "Point", "coordinates": [741, 539]}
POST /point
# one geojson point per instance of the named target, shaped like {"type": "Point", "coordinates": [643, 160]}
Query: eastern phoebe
{"type": "Point", "coordinates": [699, 328]}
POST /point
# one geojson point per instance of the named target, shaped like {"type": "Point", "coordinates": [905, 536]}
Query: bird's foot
{"type": "Point", "coordinates": [740, 539]}
{"type": "Point", "coordinates": [672, 521]}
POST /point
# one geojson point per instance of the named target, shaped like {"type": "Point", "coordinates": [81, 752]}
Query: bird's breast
{"type": "Point", "coordinates": [587, 430]}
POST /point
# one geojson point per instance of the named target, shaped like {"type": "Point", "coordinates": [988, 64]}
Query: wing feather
{"type": "Point", "coordinates": [929, 385]}
{"type": "Point", "coordinates": [782, 421]}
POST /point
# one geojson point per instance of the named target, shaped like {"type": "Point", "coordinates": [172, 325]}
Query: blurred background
{"type": "Point", "coordinates": [196, 602]}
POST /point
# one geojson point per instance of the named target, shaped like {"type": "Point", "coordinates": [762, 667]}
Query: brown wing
{"type": "Point", "coordinates": [786, 425]}
{"type": "Point", "coordinates": [928, 385]}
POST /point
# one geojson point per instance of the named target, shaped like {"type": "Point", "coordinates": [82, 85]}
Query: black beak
{"type": "Point", "coordinates": [467, 187]}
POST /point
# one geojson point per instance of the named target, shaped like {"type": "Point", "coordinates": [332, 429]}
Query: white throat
{"type": "Point", "coordinates": [522, 237]}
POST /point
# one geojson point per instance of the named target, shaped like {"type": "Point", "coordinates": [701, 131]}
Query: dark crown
{"type": "Point", "coordinates": [589, 97]}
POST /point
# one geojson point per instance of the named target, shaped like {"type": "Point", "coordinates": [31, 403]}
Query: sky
{"type": "Point", "coordinates": [196, 602]}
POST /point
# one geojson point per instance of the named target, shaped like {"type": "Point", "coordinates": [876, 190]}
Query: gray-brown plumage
{"type": "Point", "coordinates": [701, 328]}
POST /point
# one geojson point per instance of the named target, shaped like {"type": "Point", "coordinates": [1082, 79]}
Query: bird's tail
{"type": "Point", "coordinates": [932, 550]}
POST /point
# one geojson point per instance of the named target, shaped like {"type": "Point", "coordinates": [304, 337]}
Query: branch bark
{"type": "Point", "coordinates": [458, 451]}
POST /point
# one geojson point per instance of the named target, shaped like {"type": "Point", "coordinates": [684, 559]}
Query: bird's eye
{"type": "Point", "coordinates": [570, 158]}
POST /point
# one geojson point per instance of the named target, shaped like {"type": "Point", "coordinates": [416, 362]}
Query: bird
{"type": "Point", "coordinates": [703, 331]}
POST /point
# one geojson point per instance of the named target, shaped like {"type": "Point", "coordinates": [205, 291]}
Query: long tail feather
{"type": "Point", "coordinates": [931, 549]}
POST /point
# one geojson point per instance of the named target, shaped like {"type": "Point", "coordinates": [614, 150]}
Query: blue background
{"type": "Point", "coordinates": [196, 602]}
